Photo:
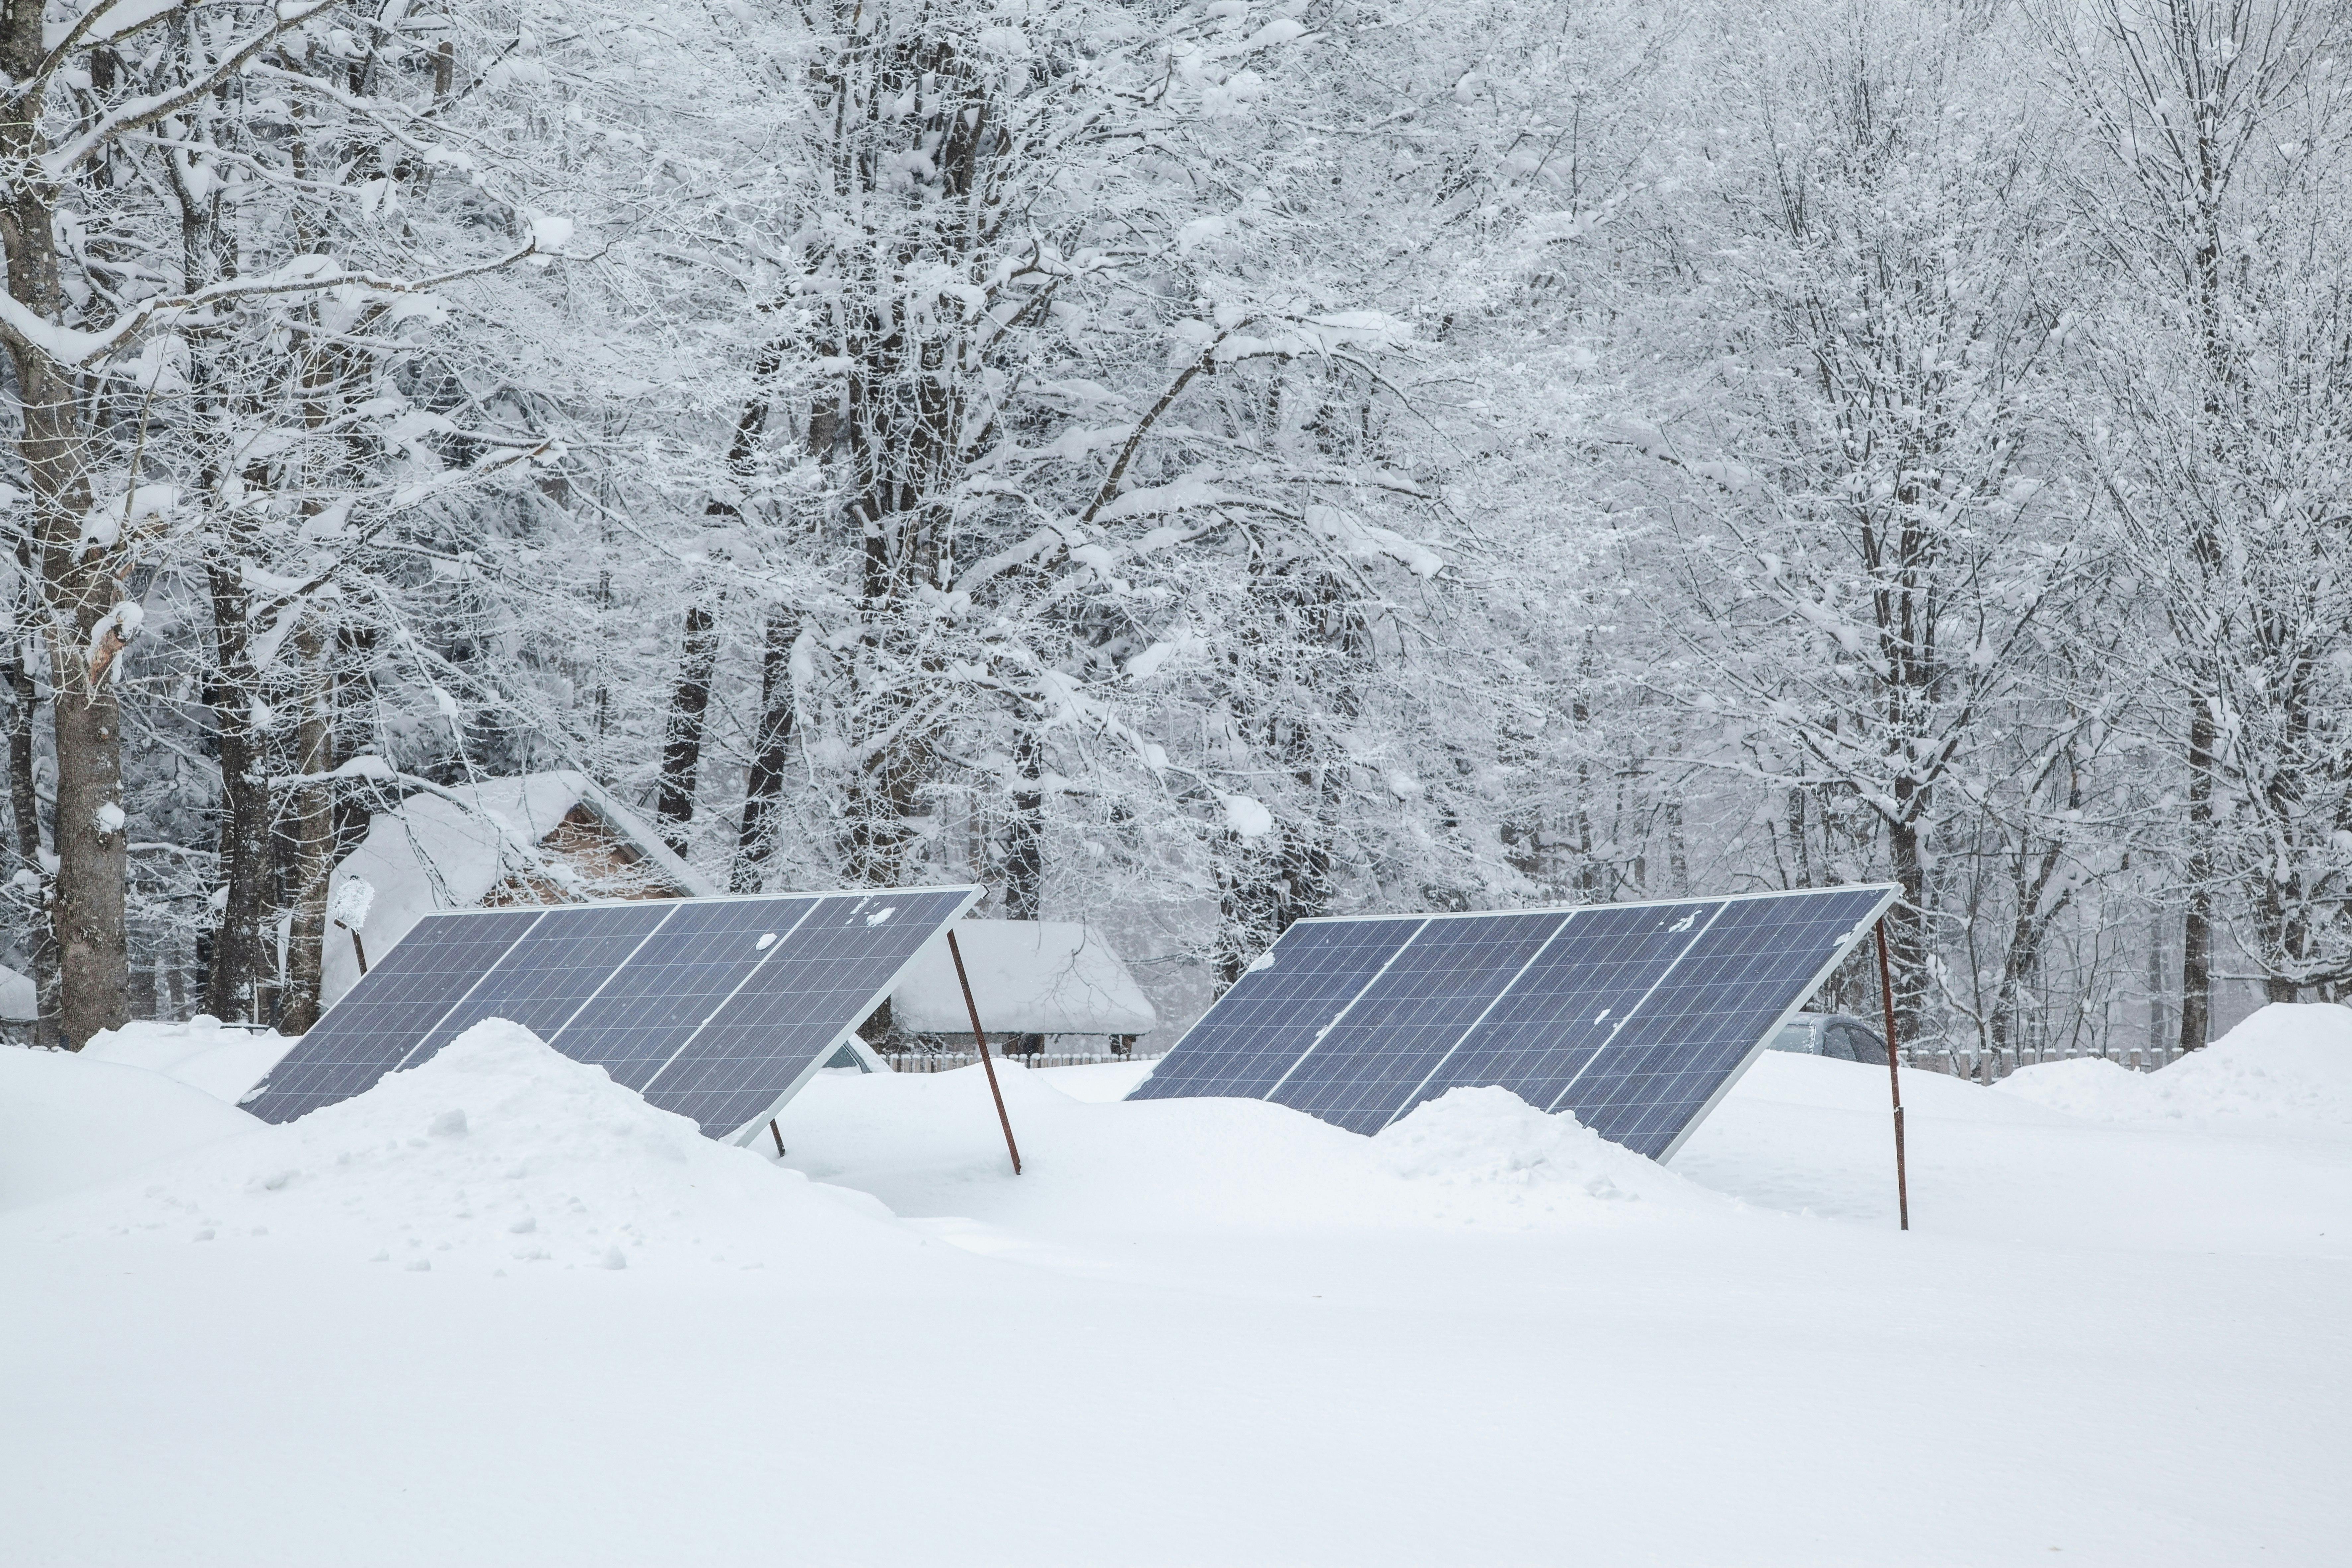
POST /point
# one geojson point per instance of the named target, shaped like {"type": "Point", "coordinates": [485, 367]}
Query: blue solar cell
{"type": "Point", "coordinates": [671, 985]}
{"type": "Point", "coordinates": [1636, 1017]}
{"type": "Point", "coordinates": [1377, 1052]}
{"type": "Point", "coordinates": [819, 981]}
{"type": "Point", "coordinates": [409, 990]}
{"type": "Point", "coordinates": [1755, 959]}
{"type": "Point", "coordinates": [558, 965]}
{"type": "Point", "coordinates": [709, 1005]}
{"type": "Point", "coordinates": [1270, 1018]}
{"type": "Point", "coordinates": [1549, 1022]}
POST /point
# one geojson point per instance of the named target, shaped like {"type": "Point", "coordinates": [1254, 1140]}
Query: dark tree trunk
{"type": "Point", "coordinates": [93, 856]}
{"type": "Point", "coordinates": [314, 836]}
{"type": "Point", "coordinates": [1025, 855]}
{"type": "Point", "coordinates": [80, 587]}
{"type": "Point", "coordinates": [682, 737]}
{"type": "Point", "coordinates": [1024, 835]}
{"type": "Point", "coordinates": [763, 788]}
{"type": "Point", "coordinates": [26, 804]}
{"type": "Point", "coordinates": [2196, 927]}
{"type": "Point", "coordinates": [236, 956]}
{"type": "Point", "coordinates": [1907, 948]}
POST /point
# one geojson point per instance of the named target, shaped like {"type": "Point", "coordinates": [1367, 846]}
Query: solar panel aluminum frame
{"type": "Point", "coordinates": [848, 1036]}
{"type": "Point", "coordinates": [1888, 892]}
{"type": "Point", "coordinates": [868, 1060]}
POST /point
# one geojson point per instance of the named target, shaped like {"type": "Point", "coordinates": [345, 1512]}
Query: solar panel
{"type": "Point", "coordinates": [1636, 1017]}
{"type": "Point", "coordinates": [715, 1008]}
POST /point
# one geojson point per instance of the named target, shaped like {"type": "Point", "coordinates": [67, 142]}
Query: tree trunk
{"type": "Point", "coordinates": [80, 585]}
{"type": "Point", "coordinates": [2197, 928]}
{"type": "Point", "coordinates": [237, 948]}
{"type": "Point", "coordinates": [1906, 932]}
{"type": "Point", "coordinates": [763, 788]}
{"type": "Point", "coordinates": [314, 835]}
{"type": "Point", "coordinates": [93, 856]}
{"type": "Point", "coordinates": [47, 989]}
{"type": "Point", "coordinates": [682, 741]}
{"type": "Point", "coordinates": [1024, 835]}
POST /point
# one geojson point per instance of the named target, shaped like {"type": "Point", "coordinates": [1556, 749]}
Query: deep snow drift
{"type": "Point", "coordinates": [496, 1152]}
{"type": "Point", "coordinates": [1195, 1331]}
{"type": "Point", "coordinates": [2287, 1064]}
{"type": "Point", "coordinates": [221, 1059]}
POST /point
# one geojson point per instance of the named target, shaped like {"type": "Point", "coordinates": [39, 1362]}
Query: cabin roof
{"type": "Point", "coordinates": [1028, 977]}
{"type": "Point", "coordinates": [454, 849]}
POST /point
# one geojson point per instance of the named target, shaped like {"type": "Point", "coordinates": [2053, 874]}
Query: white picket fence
{"type": "Point", "coordinates": [948, 1061]}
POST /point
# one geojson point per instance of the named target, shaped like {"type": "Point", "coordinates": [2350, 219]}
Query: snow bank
{"type": "Point", "coordinates": [2291, 1062]}
{"type": "Point", "coordinates": [224, 1062]}
{"type": "Point", "coordinates": [1499, 1153]}
{"type": "Point", "coordinates": [929, 1145]}
{"type": "Point", "coordinates": [68, 1122]}
{"type": "Point", "coordinates": [497, 1153]}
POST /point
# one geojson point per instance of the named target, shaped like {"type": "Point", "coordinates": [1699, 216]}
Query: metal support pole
{"type": "Point", "coordinates": [980, 1039]}
{"type": "Point", "coordinates": [1894, 1073]}
{"type": "Point", "coordinates": [777, 1133]}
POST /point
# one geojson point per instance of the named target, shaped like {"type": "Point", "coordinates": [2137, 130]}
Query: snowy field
{"type": "Point", "coordinates": [500, 1311]}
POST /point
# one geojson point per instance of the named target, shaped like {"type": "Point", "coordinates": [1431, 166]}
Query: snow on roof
{"type": "Point", "coordinates": [1028, 977]}
{"type": "Point", "coordinates": [448, 852]}
{"type": "Point", "coordinates": [19, 1001]}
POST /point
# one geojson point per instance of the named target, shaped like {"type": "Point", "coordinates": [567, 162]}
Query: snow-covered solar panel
{"type": "Point", "coordinates": [1636, 1017]}
{"type": "Point", "coordinates": [718, 1009]}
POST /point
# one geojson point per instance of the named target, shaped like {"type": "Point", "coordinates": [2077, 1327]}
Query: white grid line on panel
{"type": "Point", "coordinates": [773, 948]}
{"type": "Point", "coordinates": [1493, 1003]}
{"type": "Point", "coordinates": [1630, 904]}
{"type": "Point", "coordinates": [615, 972]}
{"type": "Point", "coordinates": [1341, 1015]}
{"type": "Point", "coordinates": [427, 1033]}
{"type": "Point", "coordinates": [1838, 952]}
{"type": "Point", "coordinates": [1614, 1029]}
{"type": "Point", "coordinates": [750, 1128]}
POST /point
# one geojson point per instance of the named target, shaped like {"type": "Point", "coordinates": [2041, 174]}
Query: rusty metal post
{"type": "Point", "coordinates": [980, 1039]}
{"type": "Point", "coordinates": [1894, 1073]}
{"type": "Point", "coordinates": [777, 1133]}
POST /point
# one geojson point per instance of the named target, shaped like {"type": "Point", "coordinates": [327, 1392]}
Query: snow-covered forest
{"type": "Point", "coordinates": [1188, 467]}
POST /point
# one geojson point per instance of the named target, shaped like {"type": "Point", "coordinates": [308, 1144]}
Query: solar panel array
{"type": "Point", "coordinates": [714, 1008]}
{"type": "Point", "coordinates": [1636, 1017]}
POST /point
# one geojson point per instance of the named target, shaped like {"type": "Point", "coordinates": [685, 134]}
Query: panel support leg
{"type": "Point", "coordinates": [980, 1039]}
{"type": "Point", "coordinates": [1894, 1073]}
{"type": "Point", "coordinates": [777, 1133]}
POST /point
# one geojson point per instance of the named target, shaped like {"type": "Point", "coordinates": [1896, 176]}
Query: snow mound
{"type": "Point", "coordinates": [1491, 1143]}
{"type": "Point", "coordinates": [68, 1123]}
{"type": "Point", "coordinates": [497, 1153]}
{"type": "Point", "coordinates": [2291, 1062]}
{"type": "Point", "coordinates": [929, 1145]}
{"type": "Point", "coordinates": [225, 1063]}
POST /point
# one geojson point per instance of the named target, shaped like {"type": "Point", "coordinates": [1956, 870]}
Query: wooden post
{"type": "Point", "coordinates": [980, 1039]}
{"type": "Point", "coordinates": [1894, 1074]}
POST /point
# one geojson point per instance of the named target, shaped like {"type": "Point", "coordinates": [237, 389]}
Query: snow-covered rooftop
{"type": "Point", "coordinates": [1028, 977]}
{"type": "Point", "coordinates": [20, 1000]}
{"type": "Point", "coordinates": [450, 851]}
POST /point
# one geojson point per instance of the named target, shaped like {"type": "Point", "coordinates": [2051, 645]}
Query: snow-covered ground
{"type": "Point", "coordinates": [500, 1311]}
